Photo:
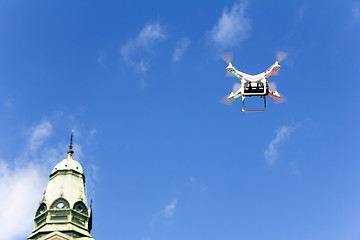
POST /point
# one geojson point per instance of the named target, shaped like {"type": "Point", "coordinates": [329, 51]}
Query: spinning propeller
{"type": "Point", "coordinates": [226, 99]}
{"type": "Point", "coordinates": [236, 87]}
{"type": "Point", "coordinates": [227, 57]}
{"type": "Point", "coordinates": [272, 87]}
{"type": "Point", "coordinates": [280, 55]}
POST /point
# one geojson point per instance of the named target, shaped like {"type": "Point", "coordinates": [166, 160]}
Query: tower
{"type": "Point", "coordinates": [63, 213]}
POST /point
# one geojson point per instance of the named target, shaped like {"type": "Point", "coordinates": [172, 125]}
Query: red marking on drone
{"type": "Point", "coordinates": [271, 95]}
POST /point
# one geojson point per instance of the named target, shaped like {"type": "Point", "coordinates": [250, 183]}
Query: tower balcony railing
{"type": "Point", "coordinates": [62, 216]}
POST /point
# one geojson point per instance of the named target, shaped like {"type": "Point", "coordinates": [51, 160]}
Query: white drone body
{"type": "Point", "coordinates": [253, 85]}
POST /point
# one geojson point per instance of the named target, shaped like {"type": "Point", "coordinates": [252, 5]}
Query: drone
{"type": "Point", "coordinates": [253, 85]}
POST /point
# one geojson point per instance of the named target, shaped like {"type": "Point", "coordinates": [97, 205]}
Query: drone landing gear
{"type": "Point", "coordinates": [260, 110]}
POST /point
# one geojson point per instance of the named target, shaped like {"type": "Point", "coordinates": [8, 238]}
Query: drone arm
{"type": "Point", "coordinates": [274, 68]}
{"type": "Point", "coordinates": [231, 69]}
{"type": "Point", "coordinates": [275, 95]}
{"type": "Point", "coordinates": [269, 72]}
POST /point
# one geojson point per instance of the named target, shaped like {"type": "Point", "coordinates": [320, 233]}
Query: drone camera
{"type": "Point", "coordinates": [254, 87]}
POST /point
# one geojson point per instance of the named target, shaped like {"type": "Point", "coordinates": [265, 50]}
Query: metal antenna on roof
{"type": "Point", "coordinates": [70, 152]}
{"type": "Point", "coordinates": [71, 139]}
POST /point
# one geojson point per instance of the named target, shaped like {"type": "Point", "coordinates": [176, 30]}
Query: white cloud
{"type": "Point", "coordinates": [192, 179]}
{"type": "Point", "coordinates": [38, 135]}
{"type": "Point", "coordinates": [21, 189]}
{"type": "Point", "coordinates": [355, 13]}
{"type": "Point", "coordinates": [143, 66]}
{"type": "Point", "coordinates": [142, 83]}
{"type": "Point", "coordinates": [92, 177]}
{"type": "Point", "coordinates": [78, 153]}
{"type": "Point", "coordinates": [197, 184]}
{"type": "Point", "coordinates": [295, 170]}
{"type": "Point", "coordinates": [23, 183]}
{"type": "Point", "coordinates": [301, 14]}
{"type": "Point", "coordinates": [150, 34]}
{"type": "Point", "coordinates": [282, 134]}
{"type": "Point", "coordinates": [169, 209]}
{"type": "Point", "coordinates": [92, 132]}
{"type": "Point", "coordinates": [137, 50]}
{"type": "Point", "coordinates": [9, 103]}
{"type": "Point", "coordinates": [100, 58]}
{"type": "Point", "coordinates": [181, 47]}
{"type": "Point", "coordinates": [232, 28]}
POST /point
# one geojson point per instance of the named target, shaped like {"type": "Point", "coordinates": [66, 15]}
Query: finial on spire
{"type": "Point", "coordinates": [70, 151]}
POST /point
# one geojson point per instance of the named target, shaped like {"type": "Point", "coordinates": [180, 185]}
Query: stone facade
{"type": "Point", "coordinates": [63, 212]}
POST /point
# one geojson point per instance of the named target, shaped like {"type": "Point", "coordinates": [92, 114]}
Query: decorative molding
{"type": "Point", "coordinates": [56, 236]}
{"type": "Point", "coordinates": [60, 203]}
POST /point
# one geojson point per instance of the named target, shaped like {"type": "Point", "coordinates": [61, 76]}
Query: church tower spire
{"type": "Point", "coordinates": [63, 212]}
{"type": "Point", "coordinates": [70, 151]}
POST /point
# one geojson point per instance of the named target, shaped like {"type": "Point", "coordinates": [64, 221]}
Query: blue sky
{"type": "Point", "coordinates": [140, 82]}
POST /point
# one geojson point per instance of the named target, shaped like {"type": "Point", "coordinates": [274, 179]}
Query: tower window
{"type": "Point", "coordinates": [80, 207]}
{"type": "Point", "coordinates": [41, 209]}
{"type": "Point", "coordinates": [60, 203]}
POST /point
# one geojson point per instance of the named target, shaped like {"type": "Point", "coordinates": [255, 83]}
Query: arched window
{"type": "Point", "coordinates": [80, 207]}
{"type": "Point", "coordinates": [41, 209]}
{"type": "Point", "coordinates": [60, 203]}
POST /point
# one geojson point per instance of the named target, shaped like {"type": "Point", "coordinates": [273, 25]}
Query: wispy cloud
{"type": "Point", "coordinates": [78, 152]}
{"type": "Point", "coordinates": [38, 134]}
{"type": "Point", "coordinates": [142, 83]}
{"type": "Point", "coordinates": [192, 180]}
{"type": "Point", "coordinates": [93, 177]}
{"type": "Point", "coordinates": [165, 214]}
{"type": "Point", "coordinates": [9, 103]}
{"type": "Point", "coordinates": [136, 52]}
{"type": "Point", "coordinates": [197, 185]}
{"type": "Point", "coordinates": [301, 13]}
{"type": "Point", "coordinates": [100, 58]}
{"type": "Point", "coordinates": [169, 209]}
{"type": "Point", "coordinates": [355, 13]}
{"type": "Point", "coordinates": [232, 28]}
{"type": "Point", "coordinates": [150, 34]}
{"type": "Point", "coordinates": [282, 134]}
{"type": "Point", "coordinates": [353, 17]}
{"type": "Point", "coordinates": [180, 48]}
{"type": "Point", "coordinates": [294, 168]}
{"type": "Point", "coordinates": [92, 132]}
